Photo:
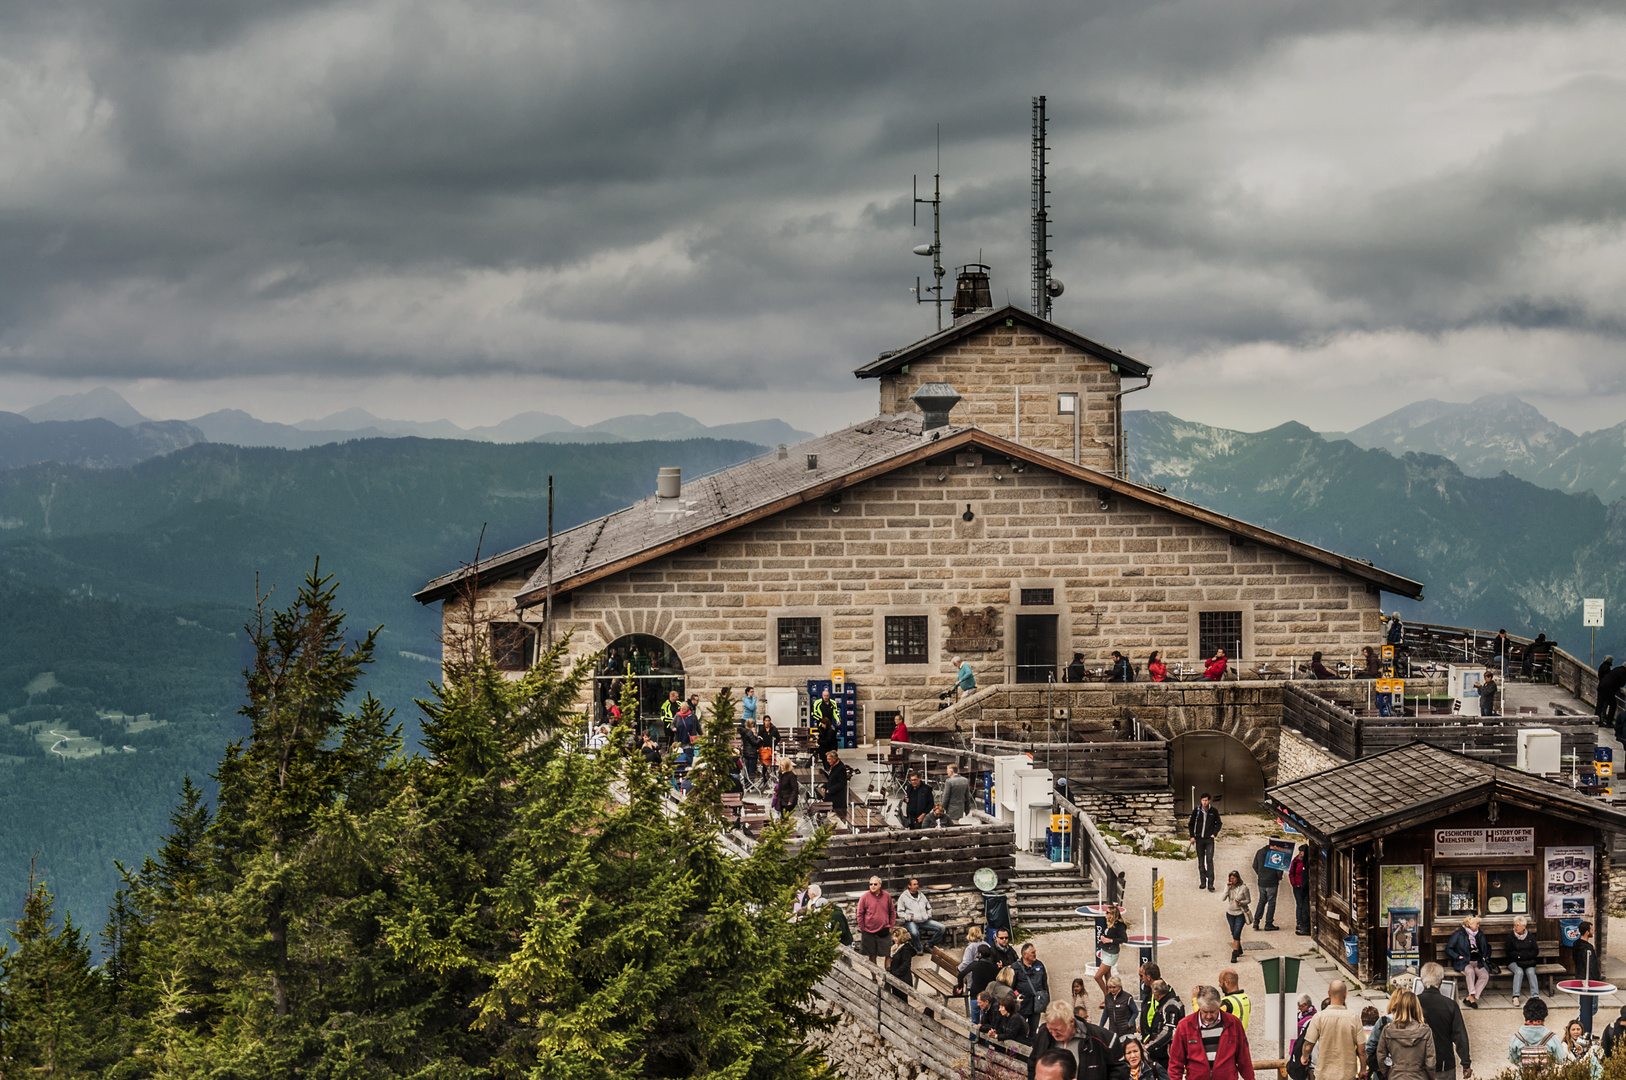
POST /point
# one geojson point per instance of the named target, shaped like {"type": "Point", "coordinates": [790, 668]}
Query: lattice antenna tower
{"type": "Point", "coordinates": [1045, 288]}
{"type": "Point", "coordinates": [935, 248]}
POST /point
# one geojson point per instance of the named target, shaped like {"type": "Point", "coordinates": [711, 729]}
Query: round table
{"type": "Point", "coordinates": [1586, 987]}
{"type": "Point", "coordinates": [1144, 943]}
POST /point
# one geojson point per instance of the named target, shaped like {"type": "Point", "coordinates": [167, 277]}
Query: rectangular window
{"type": "Point", "coordinates": [1507, 892]}
{"type": "Point", "coordinates": [799, 642]}
{"type": "Point", "coordinates": [906, 639]}
{"type": "Point", "coordinates": [1456, 894]}
{"type": "Point", "coordinates": [1343, 883]}
{"type": "Point", "coordinates": [513, 646]}
{"type": "Point", "coordinates": [1038, 597]}
{"type": "Point", "coordinates": [1219, 630]}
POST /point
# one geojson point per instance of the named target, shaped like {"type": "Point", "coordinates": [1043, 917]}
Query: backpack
{"type": "Point", "coordinates": [1296, 1068]}
{"type": "Point", "coordinates": [1534, 1057]}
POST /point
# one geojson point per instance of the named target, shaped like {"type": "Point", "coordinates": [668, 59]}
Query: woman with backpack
{"type": "Point", "coordinates": [1405, 1049]}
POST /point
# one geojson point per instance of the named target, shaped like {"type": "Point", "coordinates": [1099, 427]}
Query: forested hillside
{"type": "Point", "coordinates": [1492, 551]}
{"type": "Point", "coordinates": [126, 590]}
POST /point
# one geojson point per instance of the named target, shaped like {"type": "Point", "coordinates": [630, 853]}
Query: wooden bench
{"type": "Point", "coordinates": [1547, 964]}
{"type": "Point", "coordinates": [944, 975]}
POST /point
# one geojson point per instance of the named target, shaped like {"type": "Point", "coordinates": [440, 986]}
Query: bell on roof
{"type": "Point", "coordinates": [935, 400]}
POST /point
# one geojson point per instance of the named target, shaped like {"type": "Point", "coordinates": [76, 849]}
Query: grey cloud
{"type": "Point", "coordinates": [713, 194]}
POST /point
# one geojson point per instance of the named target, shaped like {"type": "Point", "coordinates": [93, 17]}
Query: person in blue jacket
{"type": "Point", "coordinates": [1469, 952]}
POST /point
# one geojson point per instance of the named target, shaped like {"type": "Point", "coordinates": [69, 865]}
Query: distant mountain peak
{"type": "Point", "coordinates": [102, 403]}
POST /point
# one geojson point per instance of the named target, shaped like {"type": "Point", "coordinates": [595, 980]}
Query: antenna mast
{"type": "Point", "coordinates": [935, 248]}
{"type": "Point", "coordinates": [1043, 292]}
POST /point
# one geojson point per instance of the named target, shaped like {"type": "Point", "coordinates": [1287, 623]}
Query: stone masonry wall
{"type": "Point", "coordinates": [1299, 757]}
{"type": "Point", "coordinates": [987, 368]}
{"type": "Point", "coordinates": [1248, 711]}
{"type": "Point", "coordinates": [1131, 577]}
{"type": "Point", "coordinates": [858, 1053]}
{"type": "Point", "coordinates": [1118, 811]}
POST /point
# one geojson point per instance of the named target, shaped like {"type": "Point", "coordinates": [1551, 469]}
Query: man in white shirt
{"type": "Point", "coordinates": [915, 913]}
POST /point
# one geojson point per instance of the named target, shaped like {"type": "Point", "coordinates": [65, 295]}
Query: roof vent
{"type": "Point", "coordinates": [812, 462]}
{"type": "Point", "coordinates": [936, 400]}
{"type": "Point", "coordinates": [670, 505]}
{"type": "Point", "coordinates": [972, 290]}
{"type": "Point", "coordinates": [784, 452]}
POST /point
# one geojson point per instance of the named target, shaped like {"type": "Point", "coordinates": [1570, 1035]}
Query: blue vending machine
{"type": "Point", "coordinates": [846, 700]}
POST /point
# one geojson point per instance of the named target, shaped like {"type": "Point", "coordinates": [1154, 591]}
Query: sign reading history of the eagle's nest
{"type": "Point", "coordinates": [973, 631]}
{"type": "Point", "coordinates": [1459, 843]}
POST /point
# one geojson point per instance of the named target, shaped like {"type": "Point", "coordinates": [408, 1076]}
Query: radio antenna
{"type": "Point", "coordinates": [1045, 289]}
{"type": "Point", "coordinates": [935, 248]}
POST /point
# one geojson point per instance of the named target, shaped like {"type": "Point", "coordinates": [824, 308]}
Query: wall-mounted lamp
{"type": "Point", "coordinates": [942, 476]}
{"type": "Point", "coordinates": [835, 503]}
{"type": "Point", "coordinates": [968, 515]}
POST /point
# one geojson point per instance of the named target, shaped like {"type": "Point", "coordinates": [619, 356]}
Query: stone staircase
{"type": "Point", "coordinates": [1048, 899]}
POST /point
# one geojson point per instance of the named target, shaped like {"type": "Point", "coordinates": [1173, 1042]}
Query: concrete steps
{"type": "Point", "coordinates": [1048, 899]}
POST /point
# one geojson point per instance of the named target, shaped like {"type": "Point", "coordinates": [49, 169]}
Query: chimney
{"type": "Point", "coordinates": [936, 400]}
{"type": "Point", "coordinates": [972, 290]}
{"type": "Point", "coordinates": [669, 483]}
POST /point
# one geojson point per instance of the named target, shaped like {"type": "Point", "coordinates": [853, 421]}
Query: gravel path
{"type": "Point", "coordinates": [1195, 919]}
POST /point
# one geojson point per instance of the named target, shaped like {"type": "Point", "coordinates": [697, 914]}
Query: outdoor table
{"type": "Point", "coordinates": [1144, 943]}
{"type": "Point", "coordinates": [1586, 987]}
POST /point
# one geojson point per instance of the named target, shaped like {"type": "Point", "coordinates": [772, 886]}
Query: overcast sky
{"type": "Point", "coordinates": [1291, 209]}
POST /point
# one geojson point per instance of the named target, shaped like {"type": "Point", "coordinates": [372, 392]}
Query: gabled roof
{"type": "Point", "coordinates": [963, 327]}
{"type": "Point", "coordinates": [1418, 782]}
{"type": "Point", "coordinates": [747, 493]}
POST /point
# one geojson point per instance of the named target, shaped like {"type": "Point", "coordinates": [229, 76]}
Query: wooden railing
{"type": "Point", "coordinates": [935, 1033]}
{"type": "Point", "coordinates": [1097, 861]}
{"type": "Point", "coordinates": [1097, 764]}
{"type": "Point", "coordinates": [1494, 739]}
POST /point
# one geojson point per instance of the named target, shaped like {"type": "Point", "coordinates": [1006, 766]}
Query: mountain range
{"type": "Point", "coordinates": [1493, 551]}
{"type": "Point", "coordinates": [99, 429]}
{"type": "Point", "coordinates": [1500, 433]}
{"type": "Point", "coordinates": [126, 590]}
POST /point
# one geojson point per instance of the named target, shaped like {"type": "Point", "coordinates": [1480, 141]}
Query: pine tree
{"type": "Point", "coordinates": [52, 1003]}
{"type": "Point", "coordinates": [262, 953]}
{"type": "Point", "coordinates": [586, 930]}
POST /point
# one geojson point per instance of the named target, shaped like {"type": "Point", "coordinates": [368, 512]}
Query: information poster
{"type": "Point", "coordinates": [1568, 872]}
{"type": "Point", "coordinates": [1404, 948]}
{"type": "Point", "coordinates": [1400, 888]}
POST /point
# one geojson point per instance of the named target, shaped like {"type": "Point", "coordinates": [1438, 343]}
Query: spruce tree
{"type": "Point", "coordinates": [52, 1002]}
{"type": "Point", "coordinates": [589, 922]}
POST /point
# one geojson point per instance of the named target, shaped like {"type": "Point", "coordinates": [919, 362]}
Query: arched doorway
{"type": "Point", "coordinates": [1214, 762]}
{"type": "Point", "coordinates": [654, 666]}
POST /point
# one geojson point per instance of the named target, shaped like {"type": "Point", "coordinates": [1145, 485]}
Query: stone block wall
{"type": "Point", "coordinates": [1119, 811]}
{"type": "Point", "coordinates": [1299, 757]}
{"type": "Point", "coordinates": [1132, 577]}
{"type": "Point", "coordinates": [987, 368]}
{"type": "Point", "coordinates": [859, 1053]}
{"type": "Point", "coordinates": [1248, 711]}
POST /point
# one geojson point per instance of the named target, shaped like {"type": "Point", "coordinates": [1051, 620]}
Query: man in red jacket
{"type": "Point", "coordinates": [877, 915]}
{"type": "Point", "coordinates": [1210, 1044]}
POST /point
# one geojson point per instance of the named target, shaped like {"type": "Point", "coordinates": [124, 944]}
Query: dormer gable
{"type": "Point", "coordinates": [1017, 375]}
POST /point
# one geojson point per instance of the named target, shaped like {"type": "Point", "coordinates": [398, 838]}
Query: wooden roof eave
{"type": "Point", "coordinates": [1478, 795]}
{"type": "Point", "coordinates": [968, 436]}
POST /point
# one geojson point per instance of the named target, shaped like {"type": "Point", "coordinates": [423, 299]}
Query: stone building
{"type": "Point", "coordinates": [1002, 532]}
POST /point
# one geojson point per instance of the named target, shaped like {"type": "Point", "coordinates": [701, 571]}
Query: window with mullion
{"type": "Point", "coordinates": [906, 639]}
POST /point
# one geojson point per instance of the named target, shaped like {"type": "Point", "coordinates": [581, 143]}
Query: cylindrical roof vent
{"type": "Point", "coordinates": [972, 290]}
{"type": "Point", "coordinates": [669, 483]}
{"type": "Point", "coordinates": [936, 400]}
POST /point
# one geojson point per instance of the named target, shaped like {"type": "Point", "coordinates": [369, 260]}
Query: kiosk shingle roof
{"type": "Point", "coordinates": [1393, 790]}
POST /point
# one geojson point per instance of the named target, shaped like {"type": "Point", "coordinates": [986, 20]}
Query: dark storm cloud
{"type": "Point", "coordinates": [717, 194]}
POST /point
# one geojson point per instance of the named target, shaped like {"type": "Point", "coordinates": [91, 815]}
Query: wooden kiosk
{"type": "Point", "coordinates": [1403, 845]}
